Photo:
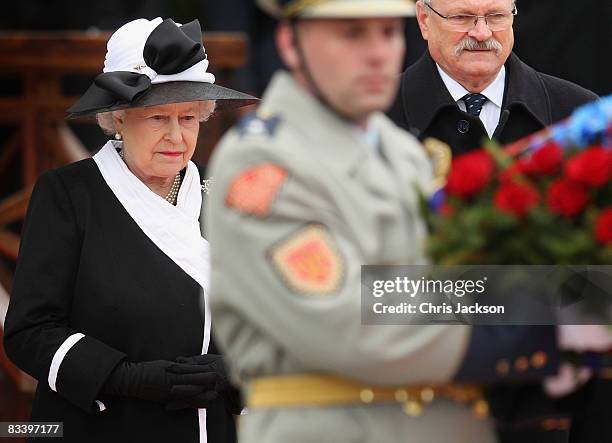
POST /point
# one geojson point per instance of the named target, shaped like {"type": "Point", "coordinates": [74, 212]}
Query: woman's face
{"type": "Point", "coordinates": [159, 141]}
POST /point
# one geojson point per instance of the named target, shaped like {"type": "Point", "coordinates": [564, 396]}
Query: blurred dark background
{"type": "Point", "coordinates": [566, 38]}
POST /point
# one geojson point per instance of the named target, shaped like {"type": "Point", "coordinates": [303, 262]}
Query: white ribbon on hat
{"type": "Point", "coordinates": [122, 54]}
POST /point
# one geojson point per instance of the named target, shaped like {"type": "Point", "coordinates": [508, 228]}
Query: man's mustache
{"type": "Point", "coordinates": [471, 44]}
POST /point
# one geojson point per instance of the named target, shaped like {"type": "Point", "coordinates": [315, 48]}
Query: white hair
{"type": "Point", "coordinates": [107, 124]}
{"type": "Point", "coordinates": [428, 2]}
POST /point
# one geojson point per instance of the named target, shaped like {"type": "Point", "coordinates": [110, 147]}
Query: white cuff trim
{"type": "Point", "coordinates": [101, 405]}
{"type": "Point", "coordinates": [59, 356]}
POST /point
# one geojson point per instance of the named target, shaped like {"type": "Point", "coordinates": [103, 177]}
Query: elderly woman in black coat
{"type": "Point", "coordinates": [109, 308]}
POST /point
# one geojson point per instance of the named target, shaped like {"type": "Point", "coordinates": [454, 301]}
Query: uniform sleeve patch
{"type": "Point", "coordinates": [254, 190]}
{"type": "Point", "coordinates": [309, 262]}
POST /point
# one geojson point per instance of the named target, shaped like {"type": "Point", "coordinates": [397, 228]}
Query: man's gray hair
{"type": "Point", "coordinates": [428, 2]}
{"type": "Point", "coordinates": [107, 124]}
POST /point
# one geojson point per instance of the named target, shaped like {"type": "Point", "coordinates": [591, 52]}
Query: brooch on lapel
{"type": "Point", "coordinates": [207, 184]}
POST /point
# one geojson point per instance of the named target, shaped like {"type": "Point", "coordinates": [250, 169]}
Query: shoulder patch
{"type": "Point", "coordinates": [253, 191]}
{"type": "Point", "coordinates": [309, 262]}
{"type": "Point", "coordinates": [260, 125]}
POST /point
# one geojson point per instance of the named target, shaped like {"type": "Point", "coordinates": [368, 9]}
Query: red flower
{"type": "Point", "coordinates": [567, 197]}
{"type": "Point", "coordinates": [516, 198]}
{"type": "Point", "coordinates": [518, 168]}
{"type": "Point", "coordinates": [470, 173]}
{"type": "Point", "coordinates": [546, 160]}
{"type": "Point", "coordinates": [603, 227]}
{"type": "Point", "coordinates": [592, 167]}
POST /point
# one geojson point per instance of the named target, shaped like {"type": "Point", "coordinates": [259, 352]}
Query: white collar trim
{"type": "Point", "coordinates": [175, 230]}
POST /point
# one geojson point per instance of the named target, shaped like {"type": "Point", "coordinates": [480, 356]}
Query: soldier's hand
{"type": "Point", "coordinates": [582, 338]}
{"type": "Point", "coordinates": [569, 379]}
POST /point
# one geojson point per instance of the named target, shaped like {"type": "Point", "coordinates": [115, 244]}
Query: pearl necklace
{"type": "Point", "coordinates": [174, 189]}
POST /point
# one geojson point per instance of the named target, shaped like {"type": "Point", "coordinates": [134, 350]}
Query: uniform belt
{"type": "Point", "coordinates": [285, 391]}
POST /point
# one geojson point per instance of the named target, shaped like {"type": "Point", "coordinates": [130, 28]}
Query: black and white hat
{"type": "Point", "coordinates": [155, 62]}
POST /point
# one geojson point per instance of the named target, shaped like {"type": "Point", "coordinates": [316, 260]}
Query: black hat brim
{"type": "Point", "coordinates": [177, 92]}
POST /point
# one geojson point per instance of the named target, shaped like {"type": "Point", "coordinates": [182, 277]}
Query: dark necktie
{"type": "Point", "coordinates": [474, 103]}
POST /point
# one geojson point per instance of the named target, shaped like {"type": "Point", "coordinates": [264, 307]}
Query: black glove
{"type": "Point", "coordinates": [154, 380]}
{"type": "Point", "coordinates": [198, 397]}
{"type": "Point", "coordinates": [191, 396]}
{"type": "Point", "coordinates": [205, 363]}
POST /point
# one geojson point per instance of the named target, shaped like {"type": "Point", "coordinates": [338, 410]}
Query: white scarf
{"type": "Point", "coordinates": [174, 229]}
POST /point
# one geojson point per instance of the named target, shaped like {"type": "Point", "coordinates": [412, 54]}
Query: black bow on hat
{"type": "Point", "coordinates": [169, 49]}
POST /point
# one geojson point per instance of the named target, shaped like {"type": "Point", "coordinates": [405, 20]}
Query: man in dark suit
{"type": "Point", "coordinates": [470, 86]}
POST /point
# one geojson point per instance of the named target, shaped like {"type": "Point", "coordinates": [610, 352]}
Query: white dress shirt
{"type": "Point", "coordinates": [491, 111]}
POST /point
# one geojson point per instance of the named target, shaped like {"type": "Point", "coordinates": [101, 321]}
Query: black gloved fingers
{"type": "Point", "coordinates": [204, 359]}
{"type": "Point", "coordinates": [217, 365]}
{"type": "Point", "coordinates": [202, 400]}
{"type": "Point", "coordinates": [219, 383]}
{"type": "Point", "coordinates": [185, 391]}
{"type": "Point", "coordinates": [188, 368]}
{"type": "Point", "coordinates": [205, 379]}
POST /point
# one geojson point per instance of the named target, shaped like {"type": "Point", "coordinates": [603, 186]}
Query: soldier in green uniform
{"type": "Point", "coordinates": [313, 185]}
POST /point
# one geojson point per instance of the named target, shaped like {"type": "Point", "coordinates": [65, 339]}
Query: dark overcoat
{"type": "Point", "coordinates": [86, 267]}
{"type": "Point", "coordinates": [532, 101]}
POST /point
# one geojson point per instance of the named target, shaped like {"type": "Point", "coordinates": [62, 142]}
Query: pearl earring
{"type": "Point", "coordinates": [117, 136]}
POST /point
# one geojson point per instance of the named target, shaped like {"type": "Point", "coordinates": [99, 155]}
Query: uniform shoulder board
{"type": "Point", "coordinates": [258, 124]}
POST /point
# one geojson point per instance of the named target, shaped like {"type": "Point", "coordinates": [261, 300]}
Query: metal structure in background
{"type": "Point", "coordinates": [42, 139]}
